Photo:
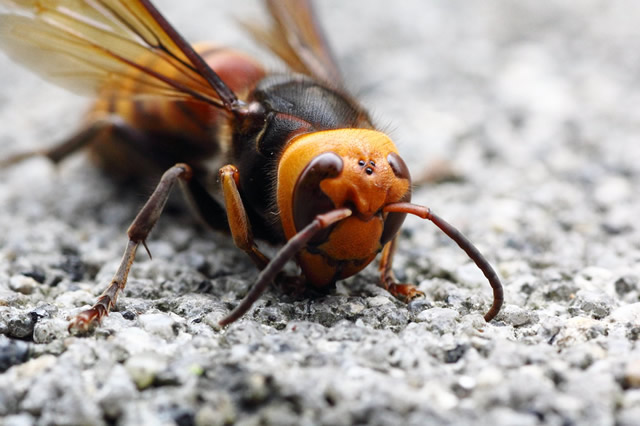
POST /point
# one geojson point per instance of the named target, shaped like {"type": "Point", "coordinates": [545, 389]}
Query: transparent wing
{"type": "Point", "coordinates": [94, 45]}
{"type": "Point", "coordinates": [297, 38]}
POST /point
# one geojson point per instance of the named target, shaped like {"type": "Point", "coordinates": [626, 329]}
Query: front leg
{"type": "Point", "coordinates": [404, 292]}
{"type": "Point", "coordinates": [237, 216]}
{"type": "Point", "coordinates": [138, 233]}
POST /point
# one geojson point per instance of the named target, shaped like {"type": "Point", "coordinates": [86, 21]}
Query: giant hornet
{"type": "Point", "coordinates": [287, 158]}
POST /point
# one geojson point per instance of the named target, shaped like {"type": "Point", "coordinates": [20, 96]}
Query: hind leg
{"type": "Point", "coordinates": [98, 129]}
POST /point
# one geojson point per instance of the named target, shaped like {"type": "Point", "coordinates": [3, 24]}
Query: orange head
{"type": "Point", "coordinates": [359, 169]}
{"type": "Point", "coordinates": [343, 194]}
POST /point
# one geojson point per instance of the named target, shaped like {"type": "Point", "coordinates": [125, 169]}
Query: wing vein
{"type": "Point", "coordinates": [124, 47]}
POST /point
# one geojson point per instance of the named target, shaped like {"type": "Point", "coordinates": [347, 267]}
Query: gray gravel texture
{"type": "Point", "coordinates": [532, 106]}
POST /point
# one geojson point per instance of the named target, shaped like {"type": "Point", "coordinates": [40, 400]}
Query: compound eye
{"type": "Point", "coordinates": [308, 199]}
{"type": "Point", "coordinates": [398, 166]}
{"type": "Point", "coordinates": [394, 220]}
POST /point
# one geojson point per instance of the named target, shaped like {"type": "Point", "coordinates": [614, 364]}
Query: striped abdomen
{"type": "Point", "coordinates": [157, 132]}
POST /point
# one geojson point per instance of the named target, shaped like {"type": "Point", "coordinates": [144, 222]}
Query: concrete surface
{"type": "Point", "coordinates": [534, 108]}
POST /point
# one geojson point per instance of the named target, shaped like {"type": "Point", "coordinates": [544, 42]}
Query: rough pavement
{"type": "Point", "coordinates": [530, 108]}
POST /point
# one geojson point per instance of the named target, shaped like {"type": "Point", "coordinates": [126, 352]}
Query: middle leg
{"type": "Point", "coordinates": [138, 233]}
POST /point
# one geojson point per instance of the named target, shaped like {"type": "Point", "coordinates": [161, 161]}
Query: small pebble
{"type": "Point", "coordinates": [632, 374]}
{"type": "Point", "coordinates": [12, 352]}
{"type": "Point", "coordinates": [144, 367]}
{"type": "Point", "coordinates": [23, 284]}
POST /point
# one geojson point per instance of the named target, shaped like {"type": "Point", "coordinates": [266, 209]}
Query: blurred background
{"type": "Point", "coordinates": [520, 122]}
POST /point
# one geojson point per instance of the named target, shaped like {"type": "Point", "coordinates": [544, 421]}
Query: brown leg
{"type": "Point", "coordinates": [82, 138]}
{"type": "Point", "coordinates": [404, 292]}
{"type": "Point", "coordinates": [293, 246]}
{"type": "Point", "coordinates": [237, 216]}
{"type": "Point", "coordinates": [138, 233]}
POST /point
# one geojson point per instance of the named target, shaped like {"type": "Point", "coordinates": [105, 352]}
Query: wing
{"type": "Point", "coordinates": [93, 45]}
{"type": "Point", "coordinates": [296, 37]}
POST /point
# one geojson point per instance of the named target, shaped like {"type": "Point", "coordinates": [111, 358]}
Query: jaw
{"type": "Point", "coordinates": [351, 245]}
